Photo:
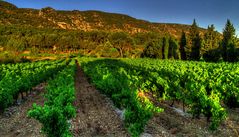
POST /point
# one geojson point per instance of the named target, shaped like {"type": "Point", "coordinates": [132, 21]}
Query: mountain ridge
{"type": "Point", "coordinates": [89, 20]}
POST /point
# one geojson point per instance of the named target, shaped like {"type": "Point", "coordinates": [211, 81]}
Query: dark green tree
{"type": "Point", "coordinates": [195, 41]}
{"type": "Point", "coordinates": [183, 43]}
{"type": "Point", "coordinates": [170, 49]}
{"type": "Point", "coordinates": [211, 43]}
{"type": "Point", "coordinates": [176, 52]}
{"type": "Point", "coordinates": [195, 54]}
{"type": "Point", "coordinates": [228, 41]}
{"type": "Point", "coordinates": [153, 49]}
{"type": "Point", "coordinates": [165, 47]}
{"type": "Point", "coordinates": [173, 52]}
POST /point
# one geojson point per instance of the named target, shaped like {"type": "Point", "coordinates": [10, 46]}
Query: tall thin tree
{"type": "Point", "coordinates": [228, 39]}
{"type": "Point", "coordinates": [183, 43]}
{"type": "Point", "coordinates": [195, 41]}
{"type": "Point", "coordinates": [165, 49]}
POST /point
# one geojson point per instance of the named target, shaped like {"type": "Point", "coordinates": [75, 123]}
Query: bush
{"type": "Point", "coordinates": [212, 55]}
{"type": "Point", "coordinates": [153, 50]}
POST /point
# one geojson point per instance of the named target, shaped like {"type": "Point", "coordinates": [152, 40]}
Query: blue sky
{"type": "Point", "coordinates": [206, 12]}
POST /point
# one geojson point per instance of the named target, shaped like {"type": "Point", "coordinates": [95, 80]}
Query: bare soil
{"type": "Point", "coordinates": [96, 116]}
{"type": "Point", "coordinates": [14, 121]}
{"type": "Point", "coordinates": [171, 123]}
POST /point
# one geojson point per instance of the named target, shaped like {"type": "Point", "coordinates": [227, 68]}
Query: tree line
{"type": "Point", "coordinates": [192, 45]}
{"type": "Point", "coordinates": [95, 43]}
{"type": "Point", "coordinates": [210, 46]}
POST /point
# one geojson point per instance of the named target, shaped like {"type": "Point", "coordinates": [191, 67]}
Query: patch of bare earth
{"type": "Point", "coordinates": [40, 58]}
{"type": "Point", "coordinates": [174, 122]}
{"type": "Point", "coordinates": [14, 121]}
{"type": "Point", "coordinates": [96, 116]}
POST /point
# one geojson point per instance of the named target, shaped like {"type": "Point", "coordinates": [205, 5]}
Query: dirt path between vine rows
{"type": "Point", "coordinates": [14, 121]}
{"type": "Point", "coordinates": [173, 122]}
{"type": "Point", "coordinates": [96, 116]}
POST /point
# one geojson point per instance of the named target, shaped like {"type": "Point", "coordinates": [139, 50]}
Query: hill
{"type": "Point", "coordinates": [83, 20]}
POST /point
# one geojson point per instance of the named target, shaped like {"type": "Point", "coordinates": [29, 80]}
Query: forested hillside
{"type": "Point", "coordinates": [95, 33]}
{"type": "Point", "coordinates": [82, 20]}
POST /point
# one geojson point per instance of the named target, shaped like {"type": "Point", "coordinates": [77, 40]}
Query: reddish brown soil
{"type": "Point", "coordinates": [14, 121]}
{"type": "Point", "coordinates": [95, 113]}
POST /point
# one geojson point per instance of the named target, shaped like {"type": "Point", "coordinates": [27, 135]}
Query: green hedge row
{"type": "Point", "coordinates": [58, 108]}
{"type": "Point", "coordinates": [23, 76]}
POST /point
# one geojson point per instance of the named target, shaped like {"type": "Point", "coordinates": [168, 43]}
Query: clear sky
{"type": "Point", "coordinates": [170, 11]}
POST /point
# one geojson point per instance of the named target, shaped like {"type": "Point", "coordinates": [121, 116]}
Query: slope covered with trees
{"type": "Point", "coordinates": [101, 34]}
{"type": "Point", "coordinates": [82, 20]}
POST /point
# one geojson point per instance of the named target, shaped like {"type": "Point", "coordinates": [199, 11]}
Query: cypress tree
{"type": "Point", "coordinates": [195, 54]}
{"type": "Point", "coordinates": [173, 49]}
{"type": "Point", "coordinates": [228, 40]}
{"type": "Point", "coordinates": [195, 41]}
{"type": "Point", "coordinates": [165, 50]}
{"type": "Point", "coordinates": [170, 48]}
{"type": "Point", "coordinates": [183, 43]}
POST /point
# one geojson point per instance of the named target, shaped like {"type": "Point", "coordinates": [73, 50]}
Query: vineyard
{"type": "Point", "coordinates": [141, 88]}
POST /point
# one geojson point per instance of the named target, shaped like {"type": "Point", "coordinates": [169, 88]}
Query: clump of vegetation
{"type": "Point", "coordinates": [11, 57]}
